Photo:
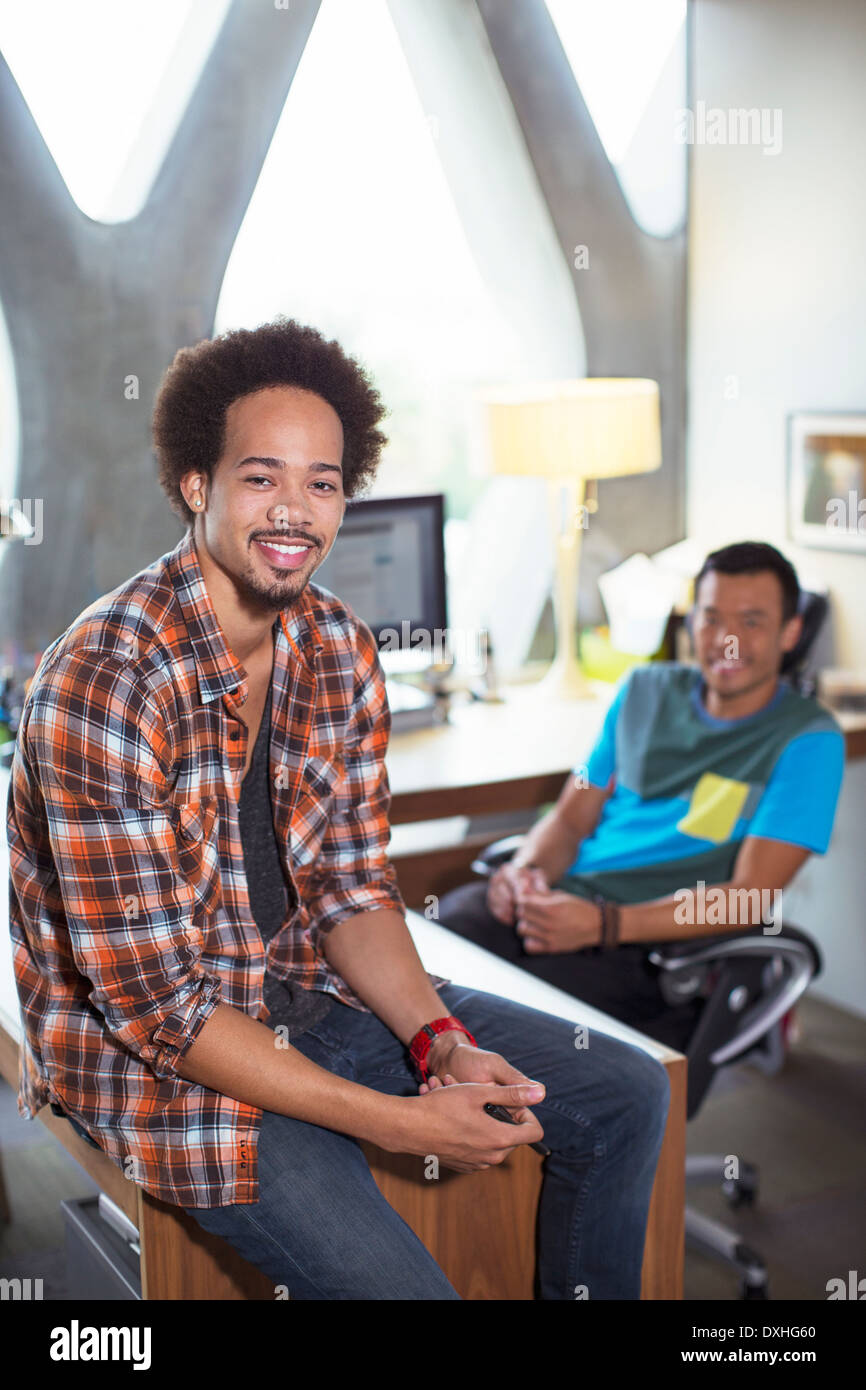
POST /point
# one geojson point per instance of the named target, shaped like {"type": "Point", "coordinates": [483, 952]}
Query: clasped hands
{"type": "Point", "coordinates": [547, 920]}
{"type": "Point", "coordinates": [452, 1059]}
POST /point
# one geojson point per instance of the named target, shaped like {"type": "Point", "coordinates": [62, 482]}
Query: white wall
{"type": "Point", "coordinates": [777, 291]}
{"type": "Point", "coordinates": [827, 896]}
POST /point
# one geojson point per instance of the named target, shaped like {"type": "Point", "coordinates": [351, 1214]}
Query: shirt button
{"type": "Point", "coordinates": [234, 734]}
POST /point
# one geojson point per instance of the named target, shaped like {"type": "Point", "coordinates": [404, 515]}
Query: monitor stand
{"type": "Point", "coordinates": [411, 707]}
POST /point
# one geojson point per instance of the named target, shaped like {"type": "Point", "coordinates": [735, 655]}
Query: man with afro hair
{"type": "Point", "coordinates": [218, 984]}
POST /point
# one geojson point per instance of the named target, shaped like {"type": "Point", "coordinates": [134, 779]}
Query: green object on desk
{"type": "Point", "coordinates": [600, 661]}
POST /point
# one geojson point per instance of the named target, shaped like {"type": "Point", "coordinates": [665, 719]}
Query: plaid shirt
{"type": "Point", "coordinates": [129, 910]}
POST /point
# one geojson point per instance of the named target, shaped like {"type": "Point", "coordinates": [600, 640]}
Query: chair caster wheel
{"type": "Point", "coordinates": [739, 1196]}
{"type": "Point", "coordinates": [741, 1191]}
{"type": "Point", "coordinates": [750, 1291]}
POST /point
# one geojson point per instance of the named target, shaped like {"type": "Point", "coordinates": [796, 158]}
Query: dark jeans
{"type": "Point", "coordinates": [322, 1229]}
{"type": "Point", "coordinates": [621, 983]}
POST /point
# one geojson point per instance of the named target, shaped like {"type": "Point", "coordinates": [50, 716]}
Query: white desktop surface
{"type": "Point", "coordinates": [529, 734]}
{"type": "Point", "coordinates": [441, 951]}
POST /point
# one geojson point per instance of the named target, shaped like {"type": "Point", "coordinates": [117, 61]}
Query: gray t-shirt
{"type": "Point", "coordinates": [289, 1003]}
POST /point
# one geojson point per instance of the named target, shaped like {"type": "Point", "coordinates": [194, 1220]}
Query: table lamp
{"type": "Point", "coordinates": [573, 432]}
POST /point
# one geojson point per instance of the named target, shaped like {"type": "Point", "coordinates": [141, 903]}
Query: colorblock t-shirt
{"type": "Point", "coordinates": [690, 787]}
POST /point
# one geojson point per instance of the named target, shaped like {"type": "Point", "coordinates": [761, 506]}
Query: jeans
{"type": "Point", "coordinates": [322, 1229]}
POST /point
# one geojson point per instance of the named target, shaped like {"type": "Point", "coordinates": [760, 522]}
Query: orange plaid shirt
{"type": "Point", "coordinates": [129, 910]}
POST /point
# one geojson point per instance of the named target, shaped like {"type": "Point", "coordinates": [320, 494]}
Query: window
{"type": "Point", "coordinates": [107, 84]}
{"type": "Point", "coordinates": [354, 228]}
{"type": "Point", "coordinates": [629, 59]}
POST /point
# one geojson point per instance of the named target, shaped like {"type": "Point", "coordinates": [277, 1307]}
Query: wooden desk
{"type": "Point", "coordinates": [493, 759]}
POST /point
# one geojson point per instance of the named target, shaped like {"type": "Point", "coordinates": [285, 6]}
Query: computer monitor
{"type": "Point", "coordinates": [388, 565]}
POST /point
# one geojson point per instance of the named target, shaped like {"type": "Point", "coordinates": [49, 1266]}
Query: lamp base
{"type": "Point", "coordinates": [566, 681]}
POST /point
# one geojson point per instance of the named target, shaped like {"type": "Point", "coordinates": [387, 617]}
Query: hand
{"type": "Point", "coordinates": [552, 921]}
{"type": "Point", "coordinates": [466, 1063]}
{"type": "Point", "coordinates": [504, 886]}
{"type": "Point", "coordinates": [450, 1121]}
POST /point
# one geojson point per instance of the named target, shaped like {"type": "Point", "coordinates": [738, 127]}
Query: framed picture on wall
{"type": "Point", "coordinates": [827, 480]}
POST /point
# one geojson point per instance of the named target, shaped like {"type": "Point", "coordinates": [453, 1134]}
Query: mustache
{"type": "Point", "coordinates": [286, 537]}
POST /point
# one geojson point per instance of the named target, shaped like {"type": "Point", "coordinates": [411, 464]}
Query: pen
{"type": "Point", "coordinates": [500, 1113]}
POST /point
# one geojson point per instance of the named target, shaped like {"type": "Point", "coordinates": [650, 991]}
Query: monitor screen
{"type": "Point", "coordinates": [388, 565]}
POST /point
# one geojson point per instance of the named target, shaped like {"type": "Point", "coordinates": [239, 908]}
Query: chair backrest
{"type": "Point", "coordinates": [813, 609]}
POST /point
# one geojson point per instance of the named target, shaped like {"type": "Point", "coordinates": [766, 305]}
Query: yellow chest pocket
{"type": "Point", "coordinates": [715, 807]}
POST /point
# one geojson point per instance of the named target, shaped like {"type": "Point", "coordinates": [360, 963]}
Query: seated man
{"type": "Point", "coordinates": [717, 776]}
{"type": "Point", "coordinates": [217, 982]}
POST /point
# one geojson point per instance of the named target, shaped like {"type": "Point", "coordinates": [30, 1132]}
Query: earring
{"type": "Point", "coordinates": [198, 499]}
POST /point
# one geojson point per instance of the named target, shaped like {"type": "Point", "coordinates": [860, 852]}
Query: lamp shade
{"type": "Point", "coordinates": [591, 427]}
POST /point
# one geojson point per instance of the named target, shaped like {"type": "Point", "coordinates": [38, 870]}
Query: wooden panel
{"type": "Point", "coordinates": [664, 1249]}
{"type": "Point", "coordinates": [180, 1260]}
{"type": "Point", "coordinates": [476, 798]}
{"type": "Point", "coordinates": [855, 742]}
{"type": "Point", "coordinates": [479, 1227]}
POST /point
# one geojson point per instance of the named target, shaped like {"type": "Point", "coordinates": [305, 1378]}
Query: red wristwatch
{"type": "Point", "coordinates": [426, 1036]}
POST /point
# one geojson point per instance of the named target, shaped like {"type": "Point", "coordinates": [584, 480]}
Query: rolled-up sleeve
{"type": "Point", "coordinates": [353, 871]}
{"type": "Point", "coordinates": [96, 745]}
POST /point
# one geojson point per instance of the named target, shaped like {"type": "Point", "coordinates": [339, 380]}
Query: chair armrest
{"type": "Point", "coordinates": [718, 945]}
{"type": "Point", "coordinates": [799, 960]}
{"type": "Point", "coordinates": [496, 854]}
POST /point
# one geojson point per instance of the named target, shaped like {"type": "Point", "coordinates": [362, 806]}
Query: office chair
{"type": "Point", "coordinates": [749, 983]}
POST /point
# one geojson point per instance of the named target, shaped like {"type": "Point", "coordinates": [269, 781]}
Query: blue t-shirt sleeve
{"type": "Point", "coordinates": [601, 763]}
{"type": "Point", "coordinates": [799, 803]}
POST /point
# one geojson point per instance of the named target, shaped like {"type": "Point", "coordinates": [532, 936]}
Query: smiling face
{"type": "Point", "coordinates": [275, 503]}
{"type": "Point", "coordinates": [739, 633]}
